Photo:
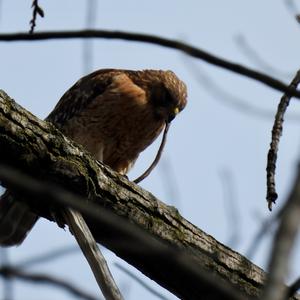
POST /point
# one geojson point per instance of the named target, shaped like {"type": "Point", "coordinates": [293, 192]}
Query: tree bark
{"type": "Point", "coordinates": [39, 149]}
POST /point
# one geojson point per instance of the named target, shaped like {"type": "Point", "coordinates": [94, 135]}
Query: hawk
{"type": "Point", "coordinates": [115, 114]}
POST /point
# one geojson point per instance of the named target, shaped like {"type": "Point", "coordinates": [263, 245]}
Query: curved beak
{"type": "Point", "coordinates": [173, 114]}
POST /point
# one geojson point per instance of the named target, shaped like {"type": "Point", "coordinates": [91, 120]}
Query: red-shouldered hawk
{"type": "Point", "coordinates": [115, 114]}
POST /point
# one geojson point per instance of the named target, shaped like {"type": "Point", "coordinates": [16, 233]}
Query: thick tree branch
{"type": "Point", "coordinates": [157, 40]}
{"type": "Point", "coordinates": [150, 250]}
{"type": "Point", "coordinates": [40, 150]}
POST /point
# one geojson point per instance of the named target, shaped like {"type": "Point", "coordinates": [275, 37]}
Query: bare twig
{"type": "Point", "coordinates": [282, 245]}
{"type": "Point", "coordinates": [231, 208]}
{"type": "Point", "coordinates": [11, 272]}
{"type": "Point", "coordinates": [87, 46]}
{"type": "Point", "coordinates": [37, 10]}
{"type": "Point", "coordinates": [170, 182]}
{"type": "Point", "coordinates": [141, 282]}
{"type": "Point", "coordinates": [267, 226]}
{"type": "Point", "coordinates": [250, 53]}
{"type": "Point", "coordinates": [291, 5]}
{"type": "Point", "coordinates": [93, 254]}
{"type": "Point", "coordinates": [157, 40]}
{"type": "Point", "coordinates": [1, 3]}
{"type": "Point", "coordinates": [276, 133]}
{"type": "Point", "coordinates": [7, 286]}
{"type": "Point", "coordinates": [46, 257]}
{"type": "Point", "coordinates": [227, 98]}
{"type": "Point", "coordinates": [264, 229]}
{"type": "Point", "coordinates": [157, 157]}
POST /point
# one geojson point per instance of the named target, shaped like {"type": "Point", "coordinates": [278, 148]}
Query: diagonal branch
{"type": "Point", "coordinates": [141, 282]}
{"type": "Point", "coordinates": [156, 40]}
{"type": "Point", "coordinates": [157, 239]}
{"type": "Point", "coordinates": [283, 244]}
{"type": "Point", "coordinates": [276, 134]}
{"type": "Point", "coordinates": [150, 250]}
{"type": "Point", "coordinates": [259, 61]}
{"type": "Point", "coordinates": [93, 254]}
{"type": "Point", "coordinates": [12, 272]}
{"type": "Point", "coordinates": [49, 256]}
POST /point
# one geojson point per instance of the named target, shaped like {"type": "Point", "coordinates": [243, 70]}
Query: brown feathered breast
{"type": "Point", "coordinates": [116, 114]}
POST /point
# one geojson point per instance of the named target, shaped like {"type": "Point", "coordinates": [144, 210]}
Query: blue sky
{"type": "Point", "coordinates": [213, 167]}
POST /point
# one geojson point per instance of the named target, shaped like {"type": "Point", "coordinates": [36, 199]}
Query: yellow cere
{"type": "Point", "coordinates": [176, 110]}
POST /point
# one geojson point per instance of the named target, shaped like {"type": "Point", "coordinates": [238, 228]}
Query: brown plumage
{"type": "Point", "coordinates": [115, 115]}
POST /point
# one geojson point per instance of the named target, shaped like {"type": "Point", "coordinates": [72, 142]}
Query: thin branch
{"type": "Point", "coordinates": [47, 257]}
{"type": "Point", "coordinates": [250, 53]}
{"type": "Point", "coordinates": [157, 40]}
{"type": "Point", "coordinates": [87, 45]}
{"type": "Point", "coordinates": [291, 5]}
{"type": "Point", "coordinates": [170, 183]}
{"type": "Point", "coordinates": [11, 272]}
{"type": "Point", "coordinates": [157, 157]}
{"type": "Point", "coordinates": [141, 282]}
{"type": "Point", "coordinates": [231, 208]}
{"type": "Point", "coordinates": [1, 3]}
{"type": "Point", "coordinates": [267, 226]}
{"type": "Point", "coordinates": [263, 230]}
{"type": "Point", "coordinates": [276, 133]}
{"type": "Point", "coordinates": [226, 98]}
{"type": "Point", "coordinates": [282, 245]}
{"type": "Point", "coordinates": [37, 10]}
{"type": "Point", "coordinates": [93, 254]}
{"type": "Point", "coordinates": [8, 291]}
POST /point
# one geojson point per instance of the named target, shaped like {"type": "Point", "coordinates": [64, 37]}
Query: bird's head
{"type": "Point", "coordinates": [168, 95]}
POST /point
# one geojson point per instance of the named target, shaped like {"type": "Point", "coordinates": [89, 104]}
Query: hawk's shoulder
{"type": "Point", "coordinates": [80, 95]}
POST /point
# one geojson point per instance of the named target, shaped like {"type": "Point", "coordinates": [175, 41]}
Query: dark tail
{"type": "Point", "coordinates": [16, 220]}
